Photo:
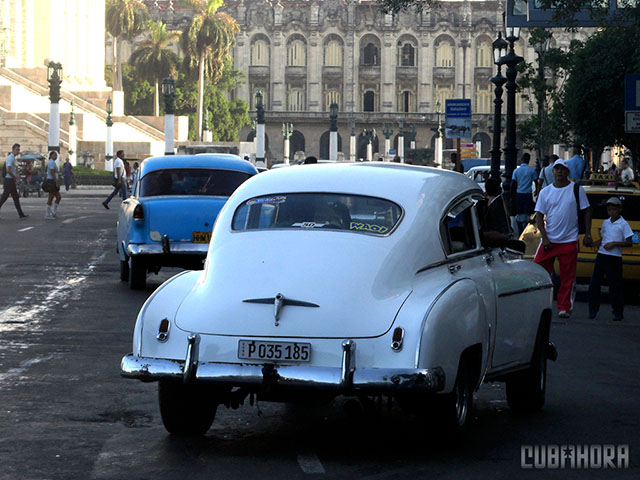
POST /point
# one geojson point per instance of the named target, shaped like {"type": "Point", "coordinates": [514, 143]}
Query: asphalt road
{"type": "Point", "coordinates": [65, 412]}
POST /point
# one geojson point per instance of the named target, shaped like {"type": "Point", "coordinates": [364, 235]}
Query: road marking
{"type": "Point", "coordinates": [25, 229]}
{"type": "Point", "coordinates": [310, 463]}
{"type": "Point", "coordinates": [69, 220]}
{"type": "Point", "coordinates": [24, 366]}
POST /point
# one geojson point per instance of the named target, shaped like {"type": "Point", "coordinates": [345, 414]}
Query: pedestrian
{"type": "Point", "coordinates": [546, 172]}
{"type": "Point", "coordinates": [10, 171]}
{"type": "Point", "coordinates": [310, 160]}
{"type": "Point", "coordinates": [52, 186]}
{"type": "Point", "coordinates": [615, 234]}
{"type": "Point", "coordinates": [576, 164]}
{"type": "Point", "coordinates": [557, 213]}
{"type": "Point", "coordinates": [134, 173]}
{"type": "Point", "coordinates": [397, 159]}
{"type": "Point", "coordinates": [626, 175]}
{"type": "Point", "coordinates": [67, 171]}
{"type": "Point", "coordinates": [497, 229]}
{"type": "Point", "coordinates": [523, 177]}
{"type": "Point", "coordinates": [119, 185]}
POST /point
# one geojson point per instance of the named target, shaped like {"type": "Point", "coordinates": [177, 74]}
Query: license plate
{"type": "Point", "coordinates": [201, 237]}
{"type": "Point", "coordinates": [278, 351]}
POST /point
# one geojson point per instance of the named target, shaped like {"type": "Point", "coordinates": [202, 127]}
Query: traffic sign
{"type": "Point", "coordinates": [632, 103]}
{"type": "Point", "coordinates": [632, 122]}
{"type": "Point", "coordinates": [457, 118]}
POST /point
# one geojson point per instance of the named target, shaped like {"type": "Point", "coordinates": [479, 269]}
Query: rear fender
{"type": "Point", "coordinates": [455, 322]}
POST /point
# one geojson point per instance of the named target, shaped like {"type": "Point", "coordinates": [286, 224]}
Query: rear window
{"type": "Point", "coordinates": [630, 206]}
{"type": "Point", "coordinates": [191, 181]}
{"type": "Point", "coordinates": [321, 211]}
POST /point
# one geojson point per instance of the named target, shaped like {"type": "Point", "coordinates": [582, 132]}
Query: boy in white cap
{"type": "Point", "coordinates": [615, 234]}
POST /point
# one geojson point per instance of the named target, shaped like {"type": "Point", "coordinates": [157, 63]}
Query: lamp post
{"type": "Point", "coordinates": [54, 77]}
{"type": "Point", "coordinates": [499, 51]}
{"type": "Point", "coordinates": [387, 131]}
{"type": "Point", "coordinates": [412, 135]}
{"type": "Point", "coordinates": [169, 94]}
{"type": "Point", "coordinates": [511, 60]}
{"type": "Point", "coordinates": [369, 135]}
{"type": "Point", "coordinates": [260, 153]}
{"type": "Point", "coordinates": [333, 132]}
{"type": "Point", "coordinates": [108, 164]}
{"type": "Point", "coordinates": [541, 47]}
{"type": "Point", "coordinates": [352, 143]}
{"type": "Point", "coordinates": [287, 131]}
{"type": "Point", "coordinates": [437, 154]}
{"type": "Point", "coordinates": [401, 139]}
{"type": "Point", "coordinates": [73, 136]}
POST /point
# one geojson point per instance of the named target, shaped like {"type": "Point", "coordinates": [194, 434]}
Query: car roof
{"type": "Point", "coordinates": [611, 189]}
{"type": "Point", "coordinates": [225, 161]}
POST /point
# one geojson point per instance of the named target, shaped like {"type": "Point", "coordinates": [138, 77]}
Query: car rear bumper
{"type": "Point", "coordinates": [344, 379]}
{"type": "Point", "coordinates": [173, 248]}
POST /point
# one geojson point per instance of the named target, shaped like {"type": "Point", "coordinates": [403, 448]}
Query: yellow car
{"type": "Point", "coordinates": [598, 192]}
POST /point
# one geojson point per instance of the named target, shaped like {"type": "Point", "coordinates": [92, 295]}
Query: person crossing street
{"type": "Point", "coordinates": [9, 180]}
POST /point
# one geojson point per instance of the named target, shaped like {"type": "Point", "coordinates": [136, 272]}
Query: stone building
{"type": "Point", "coordinates": [303, 55]}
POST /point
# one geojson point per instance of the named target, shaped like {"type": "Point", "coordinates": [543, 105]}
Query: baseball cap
{"type": "Point", "coordinates": [560, 161]}
{"type": "Point", "coordinates": [614, 201]}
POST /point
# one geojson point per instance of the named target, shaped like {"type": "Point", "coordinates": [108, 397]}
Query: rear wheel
{"type": "Point", "coordinates": [526, 389]}
{"type": "Point", "coordinates": [138, 274]}
{"type": "Point", "coordinates": [186, 410]}
{"type": "Point", "coordinates": [455, 407]}
{"type": "Point", "coordinates": [124, 270]}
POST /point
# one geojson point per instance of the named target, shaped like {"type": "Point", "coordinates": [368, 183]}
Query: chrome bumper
{"type": "Point", "coordinates": [158, 249]}
{"type": "Point", "coordinates": [343, 379]}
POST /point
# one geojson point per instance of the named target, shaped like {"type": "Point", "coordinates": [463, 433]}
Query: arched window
{"type": "Point", "coordinates": [260, 53]}
{"type": "Point", "coordinates": [369, 101]}
{"type": "Point", "coordinates": [444, 54]}
{"type": "Point", "coordinates": [407, 55]}
{"type": "Point", "coordinates": [333, 54]}
{"type": "Point", "coordinates": [332, 96]}
{"type": "Point", "coordinates": [442, 93]}
{"type": "Point", "coordinates": [483, 54]}
{"type": "Point", "coordinates": [296, 99]}
{"type": "Point", "coordinates": [296, 54]}
{"type": "Point", "coordinates": [483, 99]}
{"type": "Point", "coordinates": [406, 101]}
{"type": "Point", "coordinates": [370, 55]}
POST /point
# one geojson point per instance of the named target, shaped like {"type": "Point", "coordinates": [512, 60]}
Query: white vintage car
{"type": "Point", "coordinates": [348, 279]}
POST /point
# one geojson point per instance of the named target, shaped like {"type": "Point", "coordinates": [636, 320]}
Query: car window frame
{"type": "Point", "coordinates": [472, 197]}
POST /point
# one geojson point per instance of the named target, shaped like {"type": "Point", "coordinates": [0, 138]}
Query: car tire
{"type": "Point", "coordinates": [137, 274]}
{"type": "Point", "coordinates": [526, 389]}
{"type": "Point", "coordinates": [186, 409]}
{"type": "Point", "coordinates": [124, 270]}
{"type": "Point", "coordinates": [455, 407]}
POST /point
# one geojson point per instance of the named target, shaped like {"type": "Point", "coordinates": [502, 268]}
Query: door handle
{"type": "Point", "coordinates": [454, 268]}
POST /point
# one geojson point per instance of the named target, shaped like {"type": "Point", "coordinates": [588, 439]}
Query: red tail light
{"type": "Point", "coordinates": [138, 213]}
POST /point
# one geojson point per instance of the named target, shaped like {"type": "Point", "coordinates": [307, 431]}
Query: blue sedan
{"type": "Point", "coordinates": [169, 217]}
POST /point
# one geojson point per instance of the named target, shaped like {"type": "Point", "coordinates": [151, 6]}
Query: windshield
{"type": "Point", "coordinates": [630, 206]}
{"type": "Point", "coordinates": [191, 181]}
{"type": "Point", "coordinates": [318, 211]}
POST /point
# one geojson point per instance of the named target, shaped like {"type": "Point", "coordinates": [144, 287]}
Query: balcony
{"type": "Point", "coordinates": [332, 72]}
{"type": "Point", "coordinates": [444, 73]}
{"type": "Point", "coordinates": [369, 72]}
{"type": "Point", "coordinates": [296, 72]}
{"type": "Point", "coordinates": [407, 73]}
{"type": "Point", "coordinates": [262, 71]}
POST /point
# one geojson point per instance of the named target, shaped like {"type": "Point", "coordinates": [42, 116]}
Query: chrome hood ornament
{"type": "Point", "coordinates": [279, 301]}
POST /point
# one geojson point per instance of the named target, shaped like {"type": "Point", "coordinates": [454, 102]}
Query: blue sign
{"type": "Point", "coordinates": [632, 92]}
{"type": "Point", "coordinates": [457, 118]}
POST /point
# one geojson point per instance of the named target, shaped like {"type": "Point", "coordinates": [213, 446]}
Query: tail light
{"type": "Point", "coordinates": [138, 213]}
{"type": "Point", "coordinates": [397, 339]}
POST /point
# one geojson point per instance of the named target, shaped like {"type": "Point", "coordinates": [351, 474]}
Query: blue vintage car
{"type": "Point", "coordinates": [168, 219]}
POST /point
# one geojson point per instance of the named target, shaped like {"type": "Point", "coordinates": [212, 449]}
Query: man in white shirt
{"type": "Point", "coordinates": [9, 180]}
{"type": "Point", "coordinates": [119, 183]}
{"type": "Point", "coordinates": [557, 220]}
{"type": "Point", "coordinates": [616, 234]}
{"type": "Point", "coordinates": [627, 173]}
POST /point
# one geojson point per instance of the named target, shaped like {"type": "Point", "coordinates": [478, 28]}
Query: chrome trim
{"type": "Point", "coordinates": [163, 336]}
{"type": "Point", "coordinates": [176, 248]}
{"type": "Point", "coordinates": [289, 376]}
{"type": "Point", "coordinates": [525, 290]}
{"type": "Point", "coordinates": [191, 362]}
{"type": "Point", "coordinates": [396, 345]}
{"type": "Point", "coordinates": [348, 363]}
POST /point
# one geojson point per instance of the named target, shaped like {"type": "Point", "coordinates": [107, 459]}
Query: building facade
{"type": "Point", "coordinates": [381, 70]}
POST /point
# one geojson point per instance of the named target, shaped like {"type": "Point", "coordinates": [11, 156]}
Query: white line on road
{"type": "Point", "coordinates": [25, 229]}
{"type": "Point", "coordinates": [310, 463]}
{"type": "Point", "coordinates": [69, 220]}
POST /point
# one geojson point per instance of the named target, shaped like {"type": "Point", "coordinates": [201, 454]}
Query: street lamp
{"type": "Point", "coordinates": [541, 47]}
{"type": "Point", "coordinates": [438, 142]}
{"type": "Point", "coordinates": [387, 131]}
{"type": "Point", "coordinates": [54, 77]}
{"type": "Point", "coordinates": [499, 51]}
{"type": "Point", "coordinates": [109, 145]}
{"type": "Point", "coordinates": [287, 131]}
{"type": "Point", "coordinates": [333, 132]}
{"type": "Point", "coordinates": [260, 148]}
{"type": "Point", "coordinates": [511, 60]}
{"type": "Point", "coordinates": [73, 135]}
{"type": "Point", "coordinates": [401, 139]}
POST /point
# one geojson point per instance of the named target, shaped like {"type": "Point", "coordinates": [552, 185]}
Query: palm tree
{"type": "Point", "coordinates": [153, 57]}
{"type": "Point", "coordinates": [207, 44]}
{"type": "Point", "coordinates": [124, 20]}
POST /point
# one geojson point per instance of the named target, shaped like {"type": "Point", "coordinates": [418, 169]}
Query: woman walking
{"type": "Point", "coordinates": [67, 171]}
{"type": "Point", "coordinates": [52, 186]}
